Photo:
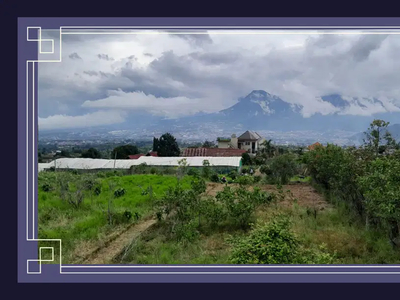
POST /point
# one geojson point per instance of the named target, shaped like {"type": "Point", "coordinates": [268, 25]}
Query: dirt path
{"type": "Point", "coordinates": [107, 253]}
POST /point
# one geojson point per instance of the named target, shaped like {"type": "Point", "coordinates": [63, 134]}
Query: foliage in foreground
{"type": "Point", "coordinates": [275, 243]}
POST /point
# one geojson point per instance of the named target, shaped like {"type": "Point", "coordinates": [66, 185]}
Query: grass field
{"type": "Point", "coordinates": [326, 232]}
{"type": "Point", "coordinates": [87, 226]}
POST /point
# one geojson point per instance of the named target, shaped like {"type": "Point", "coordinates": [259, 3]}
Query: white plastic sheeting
{"type": "Point", "coordinates": [93, 164]}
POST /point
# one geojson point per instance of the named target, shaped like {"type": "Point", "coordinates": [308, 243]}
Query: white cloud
{"type": "Point", "coordinates": [168, 107]}
{"type": "Point", "coordinates": [92, 119]}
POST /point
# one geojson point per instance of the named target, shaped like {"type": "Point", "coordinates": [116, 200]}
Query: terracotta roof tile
{"type": "Point", "coordinates": [217, 152]}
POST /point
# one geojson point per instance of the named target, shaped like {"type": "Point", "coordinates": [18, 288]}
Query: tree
{"type": "Point", "coordinates": [246, 159]}
{"type": "Point", "coordinates": [268, 148]}
{"type": "Point", "coordinates": [91, 153]}
{"type": "Point", "coordinates": [380, 185]}
{"type": "Point", "coordinates": [208, 144]}
{"type": "Point", "coordinates": [378, 138]}
{"type": "Point", "coordinates": [40, 159]}
{"type": "Point", "coordinates": [63, 153]}
{"type": "Point", "coordinates": [122, 152]}
{"type": "Point", "coordinates": [166, 145]}
{"type": "Point", "coordinates": [283, 167]}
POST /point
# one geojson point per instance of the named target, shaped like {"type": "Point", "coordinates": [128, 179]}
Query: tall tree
{"type": "Point", "coordinates": [378, 138]}
{"type": "Point", "coordinates": [122, 152]}
{"type": "Point", "coordinates": [91, 153]}
{"type": "Point", "coordinates": [246, 159]}
{"type": "Point", "coordinates": [166, 145]}
{"type": "Point", "coordinates": [268, 148]}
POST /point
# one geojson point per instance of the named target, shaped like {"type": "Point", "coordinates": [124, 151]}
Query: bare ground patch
{"type": "Point", "coordinates": [305, 194]}
{"type": "Point", "coordinates": [88, 253]}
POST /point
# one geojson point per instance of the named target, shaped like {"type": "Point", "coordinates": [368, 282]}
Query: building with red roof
{"type": "Point", "coordinates": [213, 152]}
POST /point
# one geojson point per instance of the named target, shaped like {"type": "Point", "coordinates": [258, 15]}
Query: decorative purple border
{"type": "Point", "coordinates": [27, 110]}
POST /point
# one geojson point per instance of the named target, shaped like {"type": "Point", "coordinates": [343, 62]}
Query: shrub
{"type": "Point", "coordinates": [153, 170]}
{"type": "Point", "coordinates": [233, 174]}
{"type": "Point", "coordinates": [193, 172]}
{"type": "Point", "coordinates": [97, 190]}
{"type": "Point", "coordinates": [318, 256]}
{"type": "Point", "coordinates": [198, 185]}
{"type": "Point", "coordinates": [265, 169]}
{"type": "Point", "coordinates": [46, 187]}
{"type": "Point", "coordinates": [256, 178]}
{"type": "Point", "coordinates": [239, 208]}
{"type": "Point", "coordinates": [244, 180]}
{"type": "Point", "coordinates": [119, 192]}
{"type": "Point", "coordinates": [186, 232]}
{"type": "Point", "coordinates": [245, 170]}
{"type": "Point", "coordinates": [283, 167]}
{"type": "Point", "coordinates": [213, 211]}
{"type": "Point", "coordinates": [259, 197]}
{"type": "Point", "coordinates": [206, 170]}
{"type": "Point", "coordinates": [271, 243]}
{"type": "Point", "coordinates": [214, 178]}
{"type": "Point", "coordinates": [121, 217]}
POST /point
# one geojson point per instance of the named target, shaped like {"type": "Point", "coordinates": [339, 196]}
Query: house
{"type": "Point", "coordinates": [249, 141]}
{"type": "Point", "coordinates": [213, 152]}
{"type": "Point", "coordinates": [313, 146]}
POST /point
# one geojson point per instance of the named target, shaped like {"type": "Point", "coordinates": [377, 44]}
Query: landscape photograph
{"type": "Point", "coordinates": [221, 147]}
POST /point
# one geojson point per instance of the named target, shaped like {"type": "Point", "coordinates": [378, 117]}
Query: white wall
{"type": "Point", "coordinates": [223, 144]}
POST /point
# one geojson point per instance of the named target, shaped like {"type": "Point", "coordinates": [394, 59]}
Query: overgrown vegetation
{"type": "Point", "coordinates": [241, 223]}
{"type": "Point", "coordinates": [366, 179]}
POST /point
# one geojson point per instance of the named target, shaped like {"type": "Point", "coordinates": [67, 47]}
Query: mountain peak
{"type": "Point", "coordinates": [336, 100]}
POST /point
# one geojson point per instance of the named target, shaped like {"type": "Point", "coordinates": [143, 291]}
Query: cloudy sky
{"type": "Point", "coordinates": [104, 78]}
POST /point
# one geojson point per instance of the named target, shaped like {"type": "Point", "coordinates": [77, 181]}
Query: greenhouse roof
{"type": "Point", "coordinates": [93, 164]}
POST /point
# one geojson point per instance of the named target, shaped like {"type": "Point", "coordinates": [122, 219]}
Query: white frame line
{"type": "Point", "coordinates": [175, 266]}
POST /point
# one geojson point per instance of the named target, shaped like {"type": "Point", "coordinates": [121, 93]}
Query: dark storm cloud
{"type": "Point", "coordinates": [105, 57]}
{"type": "Point", "coordinates": [74, 56]}
{"type": "Point", "coordinates": [365, 45]}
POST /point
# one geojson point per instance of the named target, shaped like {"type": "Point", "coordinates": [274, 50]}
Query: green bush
{"type": "Point", "coordinates": [271, 243]}
{"type": "Point", "coordinates": [46, 187]}
{"type": "Point", "coordinates": [244, 180]}
{"type": "Point", "coordinates": [121, 217]}
{"type": "Point", "coordinates": [119, 192]}
{"type": "Point", "coordinates": [233, 174]}
{"type": "Point", "coordinates": [256, 178]}
{"type": "Point", "coordinates": [245, 170]}
{"type": "Point", "coordinates": [266, 169]}
{"type": "Point", "coordinates": [213, 212]}
{"type": "Point", "coordinates": [193, 172]}
{"type": "Point", "coordinates": [186, 232]}
{"type": "Point", "coordinates": [214, 177]}
{"type": "Point", "coordinates": [238, 205]}
{"type": "Point", "coordinates": [282, 167]}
